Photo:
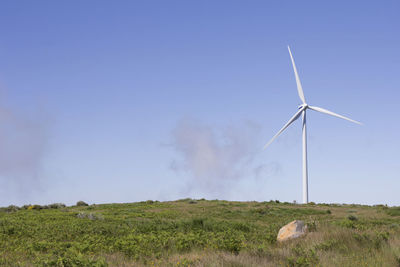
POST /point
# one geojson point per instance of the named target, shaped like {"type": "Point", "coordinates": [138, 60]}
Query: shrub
{"type": "Point", "coordinates": [81, 203]}
{"type": "Point", "coordinates": [37, 207]}
{"type": "Point", "coordinates": [303, 257]}
{"type": "Point", "coordinates": [271, 238]}
{"type": "Point", "coordinates": [230, 241]}
{"type": "Point", "coordinates": [187, 200]}
{"type": "Point", "coordinates": [361, 238]}
{"type": "Point", "coordinates": [381, 206]}
{"type": "Point", "coordinates": [90, 216]}
{"type": "Point", "coordinates": [312, 226]}
{"type": "Point", "coordinates": [380, 238]}
{"type": "Point", "coordinates": [197, 223]}
{"type": "Point", "coordinates": [332, 245]}
{"type": "Point", "coordinates": [262, 211]}
{"type": "Point", "coordinates": [57, 206]}
{"type": "Point", "coordinates": [352, 218]}
{"type": "Point", "coordinates": [243, 227]}
{"type": "Point", "coordinates": [69, 259]}
{"type": "Point", "coordinates": [398, 260]}
{"type": "Point", "coordinates": [12, 208]}
{"type": "Point", "coordinates": [328, 211]}
{"type": "Point", "coordinates": [395, 211]}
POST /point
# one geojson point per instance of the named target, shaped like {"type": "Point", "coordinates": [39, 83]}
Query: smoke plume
{"type": "Point", "coordinates": [216, 157]}
{"type": "Point", "coordinates": [23, 141]}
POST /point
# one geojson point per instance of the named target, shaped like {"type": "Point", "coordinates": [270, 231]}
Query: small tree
{"type": "Point", "coordinates": [82, 203]}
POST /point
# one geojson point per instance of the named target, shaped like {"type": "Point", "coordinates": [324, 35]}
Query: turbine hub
{"type": "Point", "coordinates": [305, 106]}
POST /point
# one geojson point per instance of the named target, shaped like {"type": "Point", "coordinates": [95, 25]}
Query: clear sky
{"type": "Point", "coordinates": [123, 101]}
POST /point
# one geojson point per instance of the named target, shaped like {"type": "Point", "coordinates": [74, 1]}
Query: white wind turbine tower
{"type": "Point", "coordinates": [302, 111]}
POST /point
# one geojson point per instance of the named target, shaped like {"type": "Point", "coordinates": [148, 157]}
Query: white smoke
{"type": "Point", "coordinates": [217, 157]}
{"type": "Point", "coordinates": [23, 142]}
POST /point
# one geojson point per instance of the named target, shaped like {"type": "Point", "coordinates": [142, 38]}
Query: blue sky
{"type": "Point", "coordinates": [132, 100]}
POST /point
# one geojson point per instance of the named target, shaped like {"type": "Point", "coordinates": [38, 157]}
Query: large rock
{"type": "Point", "coordinates": [292, 230]}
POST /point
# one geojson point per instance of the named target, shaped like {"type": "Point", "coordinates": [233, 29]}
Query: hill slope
{"type": "Point", "coordinates": [198, 233]}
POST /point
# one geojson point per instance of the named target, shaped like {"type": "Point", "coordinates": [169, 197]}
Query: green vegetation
{"type": "Point", "coordinates": [198, 233]}
{"type": "Point", "coordinates": [81, 203]}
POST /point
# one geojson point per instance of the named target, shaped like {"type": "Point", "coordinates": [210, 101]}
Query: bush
{"type": "Point", "coordinates": [328, 211]}
{"type": "Point", "coordinates": [262, 211]}
{"type": "Point", "coordinates": [352, 218]}
{"type": "Point", "coordinates": [230, 241]}
{"type": "Point", "coordinates": [381, 206]}
{"type": "Point", "coordinates": [303, 257]}
{"type": "Point", "coordinates": [81, 203]}
{"type": "Point", "coordinates": [90, 216]}
{"type": "Point", "coordinates": [270, 238]}
{"type": "Point", "coordinates": [197, 223]}
{"type": "Point", "coordinates": [69, 259]}
{"type": "Point", "coordinates": [361, 238]}
{"type": "Point", "coordinates": [186, 200]}
{"type": "Point", "coordinates": [380, 239]}
{"type": "Point", "coordinates": [37, 207]}
{"type": "Point", "coordinates": [57, 206]}
{"type": "Point", "coordinates": [12, 208]}
{"type": "Point", "coordinates": [331, 244]}
{"type": "Point", "coordinates": [312, 226]}
{"type": "Point", "coordinates": [395, 211]}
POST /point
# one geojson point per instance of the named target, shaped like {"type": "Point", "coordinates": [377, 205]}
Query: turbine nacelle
{"type": "Point", "coordinates": [303, 106]}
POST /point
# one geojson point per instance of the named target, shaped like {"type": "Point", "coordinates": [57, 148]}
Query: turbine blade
{"type": "Point", "coordinates": [295, 117]}
{"type": "Point", "coordinates": [322, 110]}
{"type": "Point", "coordinates": [299, 88]}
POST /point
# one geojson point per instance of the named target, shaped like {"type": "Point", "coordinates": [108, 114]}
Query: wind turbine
{"type": "Point", "coordinates": [302, 111]}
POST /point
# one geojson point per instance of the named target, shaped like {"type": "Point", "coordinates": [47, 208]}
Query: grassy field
{"type": "Point", "coordinates": [198, 233]}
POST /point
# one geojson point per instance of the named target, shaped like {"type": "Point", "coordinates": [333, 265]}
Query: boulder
{"type": "Point", "coordinates": [292, 230]}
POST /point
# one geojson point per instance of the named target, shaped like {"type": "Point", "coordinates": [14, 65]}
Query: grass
{"type": "Point", "coordinates": [198, 233]}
